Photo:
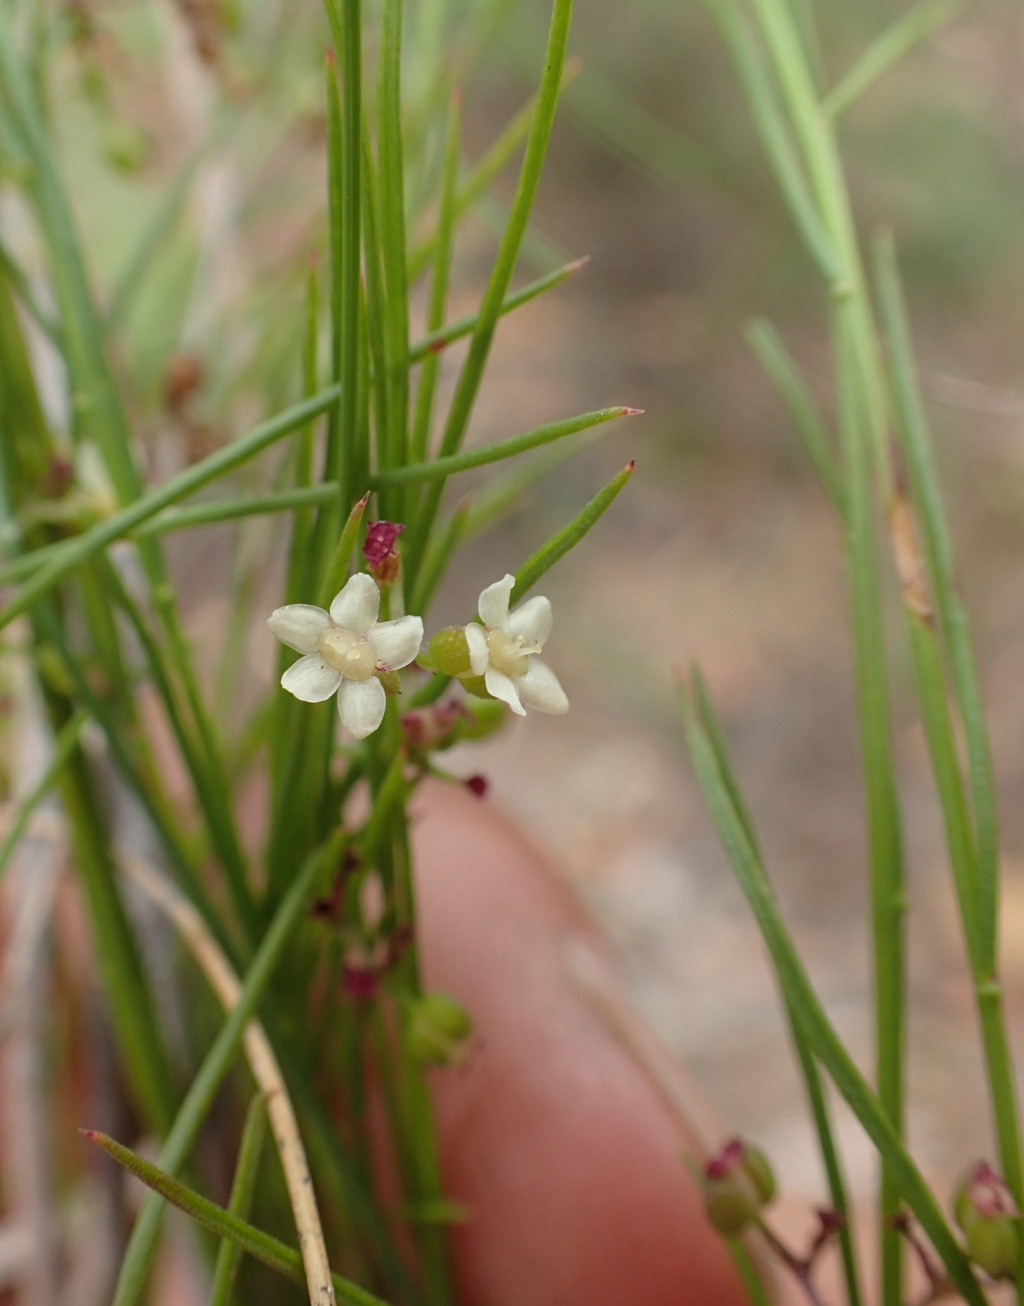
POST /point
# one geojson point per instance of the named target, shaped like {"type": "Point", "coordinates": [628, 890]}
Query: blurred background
{"type": "Point", "coordinates": [192, 134]}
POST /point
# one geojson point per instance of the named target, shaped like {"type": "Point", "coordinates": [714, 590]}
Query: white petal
{"type": "Point", "coordinates": [397, 642]}
{"type": "Point", "coordinates": [493, 605]}
{"type": "Point", "coordinates": [361, 706]}
{"type": "Point", "coordinates": [500, 686]}
{"type": "Point", "coordinates": [356, 607]}
{"type": "Point", "coordinates": [532, 620]}
{"type": "Point", "coordinates": [311, 679]}
{"type": "Point", "coordinates": [299, 625]}
{"type": "Point", "coordinates": [478, 654]}
{"type": "Point", "coordinates": [539, 689]}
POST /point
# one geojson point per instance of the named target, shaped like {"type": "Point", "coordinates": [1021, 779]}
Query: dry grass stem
{"type": "Point", "coordinates": [265, 1070]}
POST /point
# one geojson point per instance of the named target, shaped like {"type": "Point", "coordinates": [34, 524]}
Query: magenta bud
{"type": "Point", "coordinates": [380, 541]}
{"type": "Point", "coordinates": [359, 982]}
{"type": "Point", "coordinates": [478, 785]}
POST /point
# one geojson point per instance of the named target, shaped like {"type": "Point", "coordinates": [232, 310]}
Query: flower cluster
{"type": "Point", "coordinates": [348, 652]}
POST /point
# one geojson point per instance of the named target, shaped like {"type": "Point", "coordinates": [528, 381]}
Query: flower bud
{"type": "Point", "coordinates": [987, 1214]}
{"type": "Point", "coordinates": [449, 651]}
{"type": "Point", "coordinates": [437, 1030]}
{"type": "Point", "coordinates": [379, 551]}
{"type": "Point", "coordinates": [439, 726]}
{"type": "Point", "coordinates": [738, 1182]}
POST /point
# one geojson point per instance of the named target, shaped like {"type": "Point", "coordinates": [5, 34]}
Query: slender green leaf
{"type": "Point", "coordinates": [239, 1204]}
{"type": "Point", "coordinates": [559, 545]}
{"type": "Point", "coordinates": [468, 385]}
{"type": "Point", "coordinates": [817, 1028]}
{"type": "Point", "coordinates": [439, 338]}
{"type": "Point", "coordinates": [148, 505]}
{"type": "Point", "coordinates": [777, 361]}
{"type": "Point", "coordinates": [908, 30]}
{"type": "Point", "coordinates": [224, 1223]}
{"type": "Point", "coordinates": [63, 746]}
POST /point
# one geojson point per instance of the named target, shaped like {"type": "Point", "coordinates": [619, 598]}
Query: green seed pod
{"type": "Point", "coordinates": [449, 651]}
{"type": "Point", "coordinates": [731, 1203]}
{"type": "Point", "coordinates": [437, 1030]}
{"type": "Point", "coordinates": [994, 1245]}
{"type": "Point", "coordinates": [759, 1171]}
{"type": "Point", "coordinates": [488, 715]}
{"type": "Point", "coordinates": [985, 1211]}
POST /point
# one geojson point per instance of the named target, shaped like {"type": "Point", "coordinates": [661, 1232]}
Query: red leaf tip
{"type": "Point", "coordinates": [630, 465]}
{"type": "Point", "coordinates": [632, 412]}
{"type": "Point", "coordinates": [579, 263]}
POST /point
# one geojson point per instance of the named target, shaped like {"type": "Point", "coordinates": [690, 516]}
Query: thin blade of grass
{"type": "Point", "coordinates": [439, 555]}
{"type": "Point", "coordinates": [64, 744]}
{"type": "Point", "coordinates": [775, 135]}
{"type": "Point", "coordinates": [392, 216]}
{"type": "Point", "coordinates": [243, 1186]}
{"type": "Point", "coordinates": [808, 1066]}
{"type": "Point", "coordinates": [559, 545]}
{"type": "Point", "coordinates": [816, 1026]}
{"type": "Point", "coordinates": [439, 338]}
{"type": "Point", "coordinates": [148, 505]}
{"type": "Point", "coordinates": [468, 385]}
{"type": "Point", "coordinates": [263, 1246]}
{"type": "Point", "coordinates": [910, 29]}
{"type": "Point", "coordinates": [490, 167]}
{"type": "Point", "coordinates": [806, 416]}
{"type": "Point", "coordinates": [442, 468]}
{"type": "Point", "coordinates": [444, 241]}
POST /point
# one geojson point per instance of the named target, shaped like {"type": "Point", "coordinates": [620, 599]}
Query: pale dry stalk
{"type": "Point", "coordinates": [265, 1070]}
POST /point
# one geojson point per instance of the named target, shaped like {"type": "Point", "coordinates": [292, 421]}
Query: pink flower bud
{"type": "Point", "coordinates": [379, 550]}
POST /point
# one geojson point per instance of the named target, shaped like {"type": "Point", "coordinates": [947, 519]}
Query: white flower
{"type": "Point", "coordinates": [344, 649]}
{"type": "Point", "coordinates": [503, 650]}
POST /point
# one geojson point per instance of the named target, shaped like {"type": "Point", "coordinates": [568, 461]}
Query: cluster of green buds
{"type": "Point", "coordinates": [738, 1183]}
{"type": "Point", "coordinates": [437, 1030]}
{"type": "Point", "coordinates": [986, 1212]}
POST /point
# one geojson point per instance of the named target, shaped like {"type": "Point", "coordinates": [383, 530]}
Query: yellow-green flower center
{"type": "Point", "coordinates": [350, 654]}
{"type": "Point", "coordinates": [509, 655]}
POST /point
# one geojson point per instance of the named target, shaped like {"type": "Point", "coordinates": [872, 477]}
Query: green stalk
{"type": "Point", "coordinates": [439, 338]}
{"type": "Point", "coordinates": [490, 167]}
{"type": "Point", "coordinates": [508, 252]}
{"type": "Point", "coordinates": [392, 220]}
{"type": "Point", "coordinates": [778, 363]}
{"type": "Point", "coordinates": [865, 457]}
{"type": "Point", "coordinates": [125, 985]}
{"type": "Point", "coordinates": [64, 745]}
{"type": "Point", "coordinates": [346, 28]}
{"type": "Point", "coordinates": [817, 1028]}
{"type": "Point", "coordinates": [805, 1055]}
{"type": "Point", "coordinates": [439, 555]}
{"type": "Point", "coordinates": [240, 1202]}
{"type": "Point", "coordinates": [438, 305]}
{"type": "Point", "coordinates": [896, 41]}
{"type": "Point", "coordinates": [559, 545]}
